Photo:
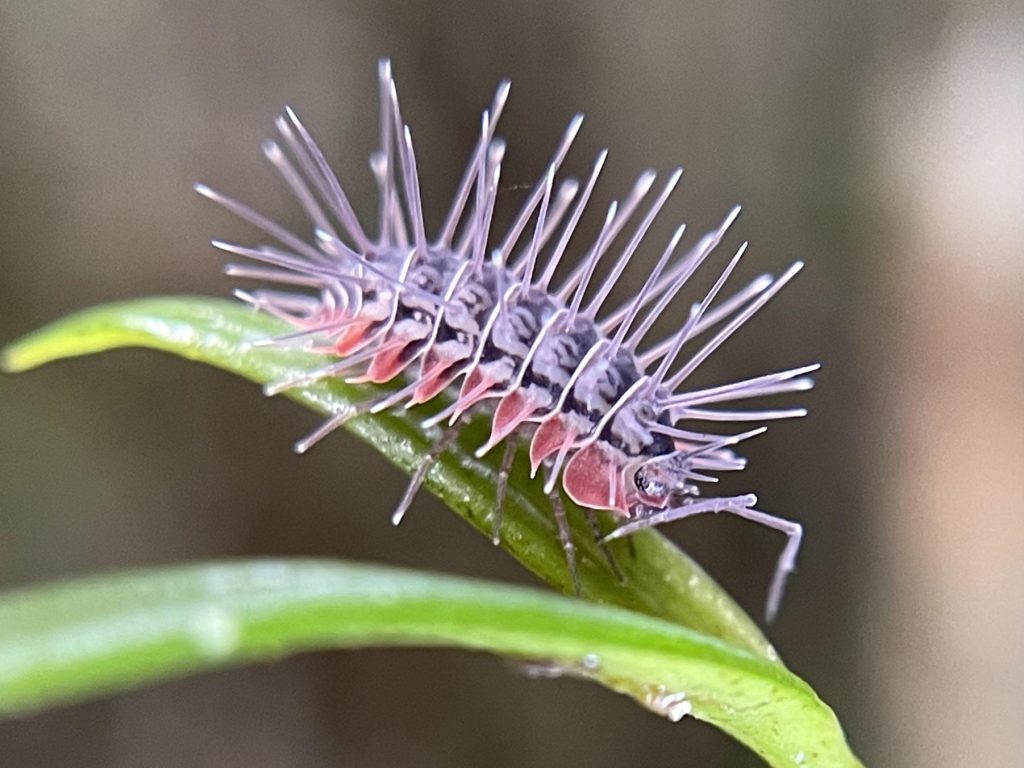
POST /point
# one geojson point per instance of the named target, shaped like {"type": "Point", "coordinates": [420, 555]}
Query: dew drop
{"type": "Point", "coordinates": [542, 670]}
{"type": "Point", "coordinates": [677, 707]}
{"type": "Point", "coordinates": [673, 705]}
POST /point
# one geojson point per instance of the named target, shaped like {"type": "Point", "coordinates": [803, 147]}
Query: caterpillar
{"type": "Point", "coordinates": [604, 409]}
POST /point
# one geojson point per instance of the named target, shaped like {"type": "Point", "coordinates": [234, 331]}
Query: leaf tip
{"type": "Point", "coordinates": [12, 361]}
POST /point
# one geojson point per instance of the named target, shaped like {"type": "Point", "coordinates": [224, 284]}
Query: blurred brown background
{"type": "Point", "coordinates": [881, 142]}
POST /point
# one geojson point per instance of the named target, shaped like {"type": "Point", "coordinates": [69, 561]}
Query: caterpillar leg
{"type": "Point", "coordinates": [741, 506]}
{"type": "Point", "coordinates": [565, 536]}
{"type": "Point", "coordinates": [442, 445]}
{"type": "Point", "coordinates": [595, 529]}
{"type": "Point", "coordinates": [499, 502]}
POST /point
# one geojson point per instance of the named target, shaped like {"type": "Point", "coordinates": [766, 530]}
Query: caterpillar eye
{"type": "Point", "coordinates": [649, 486]}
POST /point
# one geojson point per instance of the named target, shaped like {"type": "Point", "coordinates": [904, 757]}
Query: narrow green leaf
{"type": "Point", "coordinates": [70, 641]}
{"type": "Point", "coordinates": [659, 579]}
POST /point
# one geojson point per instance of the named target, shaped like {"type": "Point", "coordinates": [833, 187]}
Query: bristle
{"type": "Point", "coordinates": [634, 243]}
{"type": "Point", "coordinates": [271, 275]}
{"type": "Point", "coordinates": [793, 380]}
{"type": "Point", "coordinates": [474, 233]}
{"type": "Point", "coordinates": [671, 283]}
{"type": "Point", "coordinates": [489, 122]}
{"type": "Point", "coordinates": [425, 465]}
{"type": "Point", "coordinates": [531, 256]}
{"type": "Point", "coordinates": [686, 332]}
{"type": "Point", "coordinates": [502, 484]}
{"type": "Point", "coordinates": [415, 204]}
{"type": "Point", "coordinates": [535, 196]}
{"type": "Point", "coordinates": [599, 249]}
{"type": "Point", "coordinates": [622, 319]}
{"type": "Point", "coordinates": [335, 196]}
{"type": "Point", "coordinates": [386, 179]}
{"type": "Point", "coordinates": [482, 226]}
{"type": "Point", "coordinates": [335, 422]}
{"type": "Point", "coordinates": [732, 327]}
{"type": "Point", "coordinates": [276, 231]}
{"type": "Point", "coordinates": [570, 226]}
{"type": "Point", "coordinates": [317, 272]}
{"type": "Point", "coordinates": [298, 186]}
{"type": "Point", "coordinates": [563, 199]}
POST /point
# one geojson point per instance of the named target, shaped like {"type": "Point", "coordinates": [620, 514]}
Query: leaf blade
{"type": "Point", "coordinates": [64, 642]}
{"type": "Point", "coordinates": [660, 580]}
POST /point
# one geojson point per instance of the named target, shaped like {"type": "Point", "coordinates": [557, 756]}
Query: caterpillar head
{"type": "Point", "coordinates": [662, 481]}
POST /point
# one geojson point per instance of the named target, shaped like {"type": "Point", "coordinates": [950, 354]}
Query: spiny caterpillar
{"type": "Point", "coordinates": [487, 321]}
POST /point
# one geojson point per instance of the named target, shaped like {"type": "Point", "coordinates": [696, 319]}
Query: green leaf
{"type": "Point", "coordinates": [659, 579]}
{"type": "Point", "coordinates": [68, 642]}
{"type": "Point", "coordinates": [65, 642]}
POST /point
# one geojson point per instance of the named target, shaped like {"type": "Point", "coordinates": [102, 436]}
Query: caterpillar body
{"type": "Point", "coordinates": [604, 408]}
